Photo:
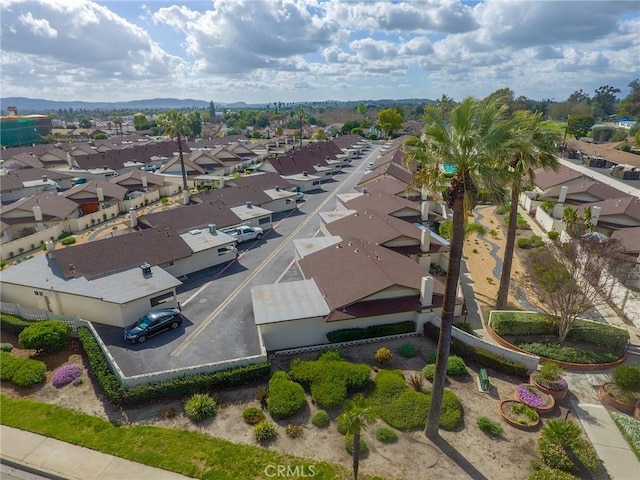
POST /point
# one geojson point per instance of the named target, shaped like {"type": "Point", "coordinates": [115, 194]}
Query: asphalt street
{"type": "Point", "coordinates": [216, 302]}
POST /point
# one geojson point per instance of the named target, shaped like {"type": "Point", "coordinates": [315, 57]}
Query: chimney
{"type": "Point", "coordinates": [185, 197]}
{"type": "Point", "coordinates": [425, 239]}
{"type": "Point", "coordinates": [37, 213]}
{"type": "Point", "coordinates": [100, 194]}
{"type": "Point", "coordinates": [595, 215]}
{"type": "Point", "coordinates": [144, 181]}
{"type": "Point", "coordinates": [563, 194]}
{"type": "Point", "coordinates": [423, 193]}
{"type": "Point", "coordinates": [221, 182]}
{"type": "Point", "coordinates": [50, 246]}
{"type": "Point", "coordinates": [133, 217]}
{"type": "Point", "coordinates": [426, 291]}
{"type": "Point", "coordinates": [424, 210]}
{"type": "Point", "coordinates": [249, 205]}
{"type": "Point", "coordinates": [212, 229]}
{"type": "Point", "coordinates": [365, 191]}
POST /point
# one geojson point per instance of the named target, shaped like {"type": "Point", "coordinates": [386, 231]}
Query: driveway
{"type": "Point", "coordinates": [216, 302]}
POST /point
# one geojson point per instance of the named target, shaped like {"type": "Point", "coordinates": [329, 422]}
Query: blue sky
{"type": "Point", "coordinates": [315, 50]}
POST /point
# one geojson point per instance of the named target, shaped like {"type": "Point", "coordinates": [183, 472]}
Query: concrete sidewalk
{"type": "Point", "coordinates": [59, 460]}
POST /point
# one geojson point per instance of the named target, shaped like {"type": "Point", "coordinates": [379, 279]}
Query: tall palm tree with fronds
{"type": "Point", "coordinates": [534, 147]}
{"type": "Point", "coordinates": [357, 416]}
{"type": "Point", "coordinates": [473, 140]}
{"type": "Point", "coordinates": [176, 124]}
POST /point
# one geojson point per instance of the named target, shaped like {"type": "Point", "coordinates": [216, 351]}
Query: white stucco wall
{"type": "Point", "coordinates": [199, 261]}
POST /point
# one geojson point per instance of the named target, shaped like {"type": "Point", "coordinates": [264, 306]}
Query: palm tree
{"type": "Point", "coordinates": [534, 148]}
{"type": "Point", "coordinates": [565, 433]}
{"type": "Point", "coordinates": [474, 139]}
{"type": "Point", "coordinates": [357, 416]}
{"type": "Point", "coordinates": [176, 124]}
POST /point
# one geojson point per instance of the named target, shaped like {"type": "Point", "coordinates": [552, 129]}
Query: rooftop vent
{"type": "Point", "coordinates": [146, 269]}
{"type": "Point", "coordinates": [212, 229]}
{"type": "Point", "coordinates": [249, 205]}
{"type": "Point", "coordinates": [304, 174]}
{"type": "Point", "coordinates": [277, 188]}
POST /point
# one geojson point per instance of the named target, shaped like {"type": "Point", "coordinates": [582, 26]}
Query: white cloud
{"type": "Point", "coordinates": [301, 50]}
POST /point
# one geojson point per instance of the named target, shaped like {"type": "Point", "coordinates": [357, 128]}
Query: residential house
{"type": "Point", "coordinates": [189, 217]}
{"type": "Point", "coordinates": [350, 284]}
{"type": "Point", "coordinates": [115, 280]}
{"type": "Point", "coordinates": [17, 184]}
{"type": "Point", "coordinates": [35, 213]}
{"type": "Point", "coordinates": [96, 195]}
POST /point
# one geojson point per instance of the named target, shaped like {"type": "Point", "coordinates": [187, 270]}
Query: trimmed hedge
{"type": "Point", "coordinates": [286, 397]}
{"type": "Point", "coordinates": [350, 334]}
{"type": "Point", "coordinates": [48, 336]}
{"type": "Point", "coordinates": [330, 380]}
{"type": "Point", "coordinates": [519, 324]}
{"type": "Point", "coordinates": [13, 324]}
{"type": "Point", "coordinates": [321, 419]}
{"type": "Point", "coordinates": [479, 355]}
{"type": "Point", "coordinates": [174, 388]}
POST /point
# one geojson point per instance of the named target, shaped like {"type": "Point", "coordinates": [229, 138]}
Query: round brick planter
{"type": "Point", "coordinates": [512, 420]}
{"type": "Point", "coordinates": [550, 403]}
{"type": "Point", "coordinates": [604, 396]}
{"type": "Point", "coordinates": [556, 394]}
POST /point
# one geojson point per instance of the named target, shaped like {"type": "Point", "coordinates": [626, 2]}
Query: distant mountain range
{"type": "Point", "coordinates": [37, 105]}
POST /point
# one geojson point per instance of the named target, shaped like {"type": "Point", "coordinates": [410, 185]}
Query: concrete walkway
{"type": "Point", "coordinates": [611, 447]}
{"type": "Point", "coordinates": [59, 460]}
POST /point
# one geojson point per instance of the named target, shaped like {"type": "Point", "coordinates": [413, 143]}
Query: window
{"type": "Point", "coordinates": [289, 201]}
{"type": "Point", "coordinates": [38, 293]}
{"type": "Point", "coordinates": [225, 250]}
{"type": "Point", "coordinates": [264, 220]}
{"type": "Point", "coordinates": [166, 264]}
{"type": "Point", "coordinates": [155, 301]}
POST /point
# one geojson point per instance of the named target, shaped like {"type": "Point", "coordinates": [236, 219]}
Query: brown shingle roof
{"type": "Point", "coordinates": [355, 269]}
{"type": "Point", "coordinates": [629, 206]}
{"type": "Point", "coordinates": [190, 217]}
{"type": "Point", "coordinates": [95, 259]}
{"type": "Point", "coordinates": [605, 151]}
{"type": "Point", "coordinates": [110, 190]}
{"type": "Point", "coordinates": [590, 188]}
{"type": "Point", "coordinates": [383, 202]}
{"type": "Point", "coordinates": [374, 227]}
{"type": "Point", "coordinates": [548, 178]}
{"type": "Point", "coordinates": [262, 180]}
{"type": "Point", "coordinates": [52, 206]}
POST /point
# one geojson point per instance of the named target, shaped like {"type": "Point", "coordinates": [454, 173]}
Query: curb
{"type": "Point", "coordinates": [27, 467]}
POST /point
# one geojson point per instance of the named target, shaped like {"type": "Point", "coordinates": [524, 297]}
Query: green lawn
{"type": "Point", "coordinates": [189, 453]}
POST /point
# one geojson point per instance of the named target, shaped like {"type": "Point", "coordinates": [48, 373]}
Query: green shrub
{"type": "Point", "coordinates": [341, 425]}
{"type": "Point", "coordinates": [456, 366]}
{"type": "Point", "coordinates": [553, 235]}
{"type": "Point", "coordinates": [294, 431]}
{"type": "Point", "coordinates": [29, 372]}
{"type": "Point", "coordinates": [514, 323]}
{"type": "Point", "coordinates": [68, 240]}
{"type": "Point", "coordinates": [262, 395]}
{"type": "Point", "coordinates": [627, 377]}
{"type": "Point", "coordinates": [554, 456]}
{"type": "Point", "coordinates": [488, 425]}
{"type": "Point", "coordinates": [429, 371]}
{"type": "Point", "coordinates": [320, 419]}
{"type": "Point", "coordinates": [265, 432]}
{"type": "Point", "coordinates": [200, 406]}
{"type": "Point", "coordinates": [548, 206]}
{"type": "Point", "coordinates": [13, 324]}
{"type": "Point", "coordinates": [563, 353]}
{"type": "Point", "coordinates": [6, 347]}
{"type": "Point", "coordinates": [252, 415]}
{"type": "Point", "coordinates": [329, 394]}
{"type": "Point", "coordinates": [331, 354]}
{"type": "Point", "coordinates": [350, 334]}
{"type": "Point", "coordinates": [504, 208]}
{"type": "Point", "coordinates": [48, 336]}
{"type": "Point", "coordinates": [523, 243]}
{"type": "Point", "coordinates": [8, 365]}
{"type": "Point", "coordinates": [286, 397]}
{"type": "Point", "coordinates": [478, 355]}
{"type": "Point", "coordinates": [405, 409]}
{"type": "Point", "coordinates": [386, 435]}
{"type": "Point", "coordinates": [550, 474]}
{"type": "Point", "coordinates": [330, 380]}
{"type": "Point", "coordinates": [465, 327]}
{"type": "Point", "coordinates": [408, 350]}
{"type": "Point", "coordinates": [383, 355]}
{"type": "Point", "coordinates": [348, 444]}
{"type": "Point", "coordinates": [613, 338]}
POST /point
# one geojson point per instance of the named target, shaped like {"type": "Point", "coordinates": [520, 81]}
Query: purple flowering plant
{"type": "Point", "coordinates": [66, 374]}
{"type": "Point", "coordinates": [529, 395]}
{"type": "Point", "coordinates": [549, 377]}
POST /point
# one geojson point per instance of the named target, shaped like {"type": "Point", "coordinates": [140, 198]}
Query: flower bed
{"type": "Point", "coordinates": [557, 388]}
{"type": "Point", "coordinates": [66, 374]}
{"type": "Point", "coordinates": [519, 415]}
{"type": "Point", "coordinates": [533, 397]}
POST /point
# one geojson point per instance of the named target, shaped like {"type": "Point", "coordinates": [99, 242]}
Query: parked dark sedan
{"type": "Point", "coordinates": [152, 323]}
